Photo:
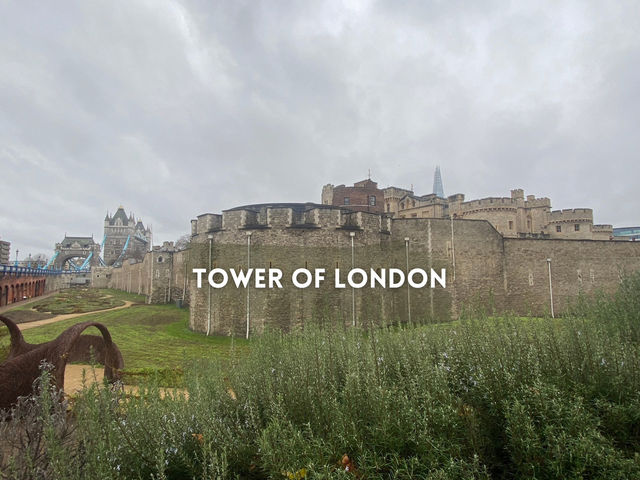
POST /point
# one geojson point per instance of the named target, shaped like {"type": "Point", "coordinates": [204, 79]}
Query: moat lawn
{"type": "Point", "coordinates": [80, 300]}
{"type": "Point", "coordinates": [151, 338]}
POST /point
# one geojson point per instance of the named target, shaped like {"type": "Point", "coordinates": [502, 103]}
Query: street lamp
{"type": "Point", "coordinates": [248, 267]}
{"type": "Point", "coordinates": [406, 248]}
{"type": "Point", "coordinates": [353, 290]}
{"type": "Point", "coordinates": [550, 288]}
{"type": "Point", "coordinates": [210, 237]}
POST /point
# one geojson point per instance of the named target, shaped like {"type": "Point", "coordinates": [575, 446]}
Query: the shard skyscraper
{"type": "Point", "coordinates": [438, 189]}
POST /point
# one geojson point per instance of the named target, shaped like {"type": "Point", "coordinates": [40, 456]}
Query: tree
{"type": "Point", "coordinates": [183, 242]}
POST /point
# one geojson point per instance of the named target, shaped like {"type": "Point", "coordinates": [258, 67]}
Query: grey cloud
{"type": "Point", "coordinates": [177, 108]}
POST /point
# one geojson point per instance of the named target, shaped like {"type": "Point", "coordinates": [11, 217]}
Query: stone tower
{"type": "Point", "coordinates": [123, 231]}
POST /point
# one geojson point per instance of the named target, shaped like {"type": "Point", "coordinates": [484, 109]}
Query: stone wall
{"type": "Point", "coordinates": [575, 223]}
{"type": "Point", "coordinates": [483, 268]}
{"type": "Point", "coordinates": [162, 276]}
{"type": "Point", "coordinates": [577, 266]}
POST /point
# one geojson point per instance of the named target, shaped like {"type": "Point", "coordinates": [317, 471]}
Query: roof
{"type": "Point", "coordinates": [297, 207]}
{"type": "Point", "coordinates": [83, 241]}
{"type": "Point", "coordinates": [121, 215]}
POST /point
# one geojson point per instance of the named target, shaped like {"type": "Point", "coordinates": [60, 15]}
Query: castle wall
{"type": "Point", "coordinates": [577, 266]}
{"type": "Point", "coordinates": [574, 223]}
{"type": "Point", "coordinates": [503, 218]}
{"type": "Point", "coordinates": [602, 232]}
{"type": "Point", "coordinates": [378, 243]}
{"type": "Point", "coordinates": [483, 269]}
{"type": "Point", "coordinates": [163, 276]}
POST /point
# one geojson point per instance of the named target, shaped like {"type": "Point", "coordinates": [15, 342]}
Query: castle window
{"type": "Point", "coordinates": [160, 259]}
{"type": "Point", "coordinates": [558, 228]}
{"type": "Point", "coordinates": [576, 227]}
{"type": "Point", "coordinates": [413, 203]}
{"type": "Point", "coordinates": [510, 224]}
{"type": "Point", "coordinates": [347, 201]}
{"type": "Point", "coordinates": [372, 200]}
{"type": "Point", "coordinates": [402, 205]}
{"type": "Point", "coordinates": [388, 207]}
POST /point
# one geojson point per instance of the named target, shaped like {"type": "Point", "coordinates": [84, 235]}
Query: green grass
{"type": "Point", "coordinates": [150, 337]}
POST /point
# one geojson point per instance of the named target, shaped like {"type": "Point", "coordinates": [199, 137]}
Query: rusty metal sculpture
{"type": "Point", "coordinates": [22, 366]}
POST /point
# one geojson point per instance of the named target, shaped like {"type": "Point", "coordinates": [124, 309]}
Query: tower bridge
{"type": "Point", "coordinates": [75, 253]}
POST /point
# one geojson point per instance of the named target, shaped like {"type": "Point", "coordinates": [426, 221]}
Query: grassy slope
{"type": "Point", "coordinates": [83, 300]}
{"type": "Point", "coordinates": [149, 336]}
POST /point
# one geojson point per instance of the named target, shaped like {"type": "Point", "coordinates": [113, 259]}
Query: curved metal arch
{"type": "Point", "coordinates": [22, 368]}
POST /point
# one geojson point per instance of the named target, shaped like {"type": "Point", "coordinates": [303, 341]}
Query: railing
{"type": "Point", "coordinates": [13, 270]}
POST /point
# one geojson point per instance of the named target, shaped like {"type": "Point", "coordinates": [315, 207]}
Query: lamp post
{"type": "Point", "coordinates": [550, 288]}
{"type": "Point", "coordinates": [353, 290]}
{"type": "Point", "coordinates": [210, 237]}
{"type": "Point", "coordinates": [248, 267]}
{"type": "Point", "coordinates": [406, 249]}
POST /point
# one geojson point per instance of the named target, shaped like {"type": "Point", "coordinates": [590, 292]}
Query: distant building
{"type": "Point", "coordinates": [36, 261]}
{"type": "Point", "coordinates": [627, 233]}
{"type": "Point", "coordinates": [124, 238]}
{"type": "Point", "coordinates": [438, 189]}
{"type": "Point", "coordinates": [514, 216]}
{"type": "Point", "coordinates": [364, 196]}
{"type": "Point", "coordinates": [4, 252]}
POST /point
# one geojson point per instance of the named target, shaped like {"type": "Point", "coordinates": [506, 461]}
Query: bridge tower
{"type": "Point", "coordinates": [75, 252]}
{"type": "Point", "coordinates": [124, 238]}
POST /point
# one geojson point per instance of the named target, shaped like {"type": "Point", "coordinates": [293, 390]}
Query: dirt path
{"type": "Point", "coordinates": [57, 318]}
{"type": "Point", "coordinates": [73, 380]}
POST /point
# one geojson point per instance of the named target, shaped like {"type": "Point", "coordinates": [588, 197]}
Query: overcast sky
{"type": "Point", "coordinates": [177, 108]}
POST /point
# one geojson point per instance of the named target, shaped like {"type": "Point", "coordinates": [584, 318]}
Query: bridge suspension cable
{"type": "Point", "coordinates": [124, 250]}
{"type": "Point", "coordinates": [50, 260]}
{"type": "Point", "coordinates": [86, 261]}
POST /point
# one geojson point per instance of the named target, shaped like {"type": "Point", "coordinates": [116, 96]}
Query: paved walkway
{"type": "Point", "coordinates": [25, 302]}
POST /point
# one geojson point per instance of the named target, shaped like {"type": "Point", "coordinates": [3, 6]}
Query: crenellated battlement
{"type": "Point", "coordinates": [571, 215]}
{"type": "Point", "coordinates": [289, 216]}
{"type": "Point", "coordinates": [497, 202]}
{"type": "Point", "coordinates": [487, 203]}
{"type": "Point", "coordinates": [533, 202]}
